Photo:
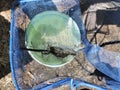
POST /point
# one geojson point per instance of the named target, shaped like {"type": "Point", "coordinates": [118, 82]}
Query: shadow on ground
{"type": "Point", "coordinates": [4, 47]}
{"type": "Point", "coordinates": [4, 39]}
{"type": "Point", "coordinates": [102, 25]}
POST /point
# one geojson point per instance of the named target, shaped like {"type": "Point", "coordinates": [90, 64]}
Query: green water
{"type": "Point", "coordinates": [54, 29]}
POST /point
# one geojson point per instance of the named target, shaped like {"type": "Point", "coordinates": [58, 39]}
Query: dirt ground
{"type": "Point", "coordinates": [102, 33]}
{"type": "Point", "coordinates": [5, 73]}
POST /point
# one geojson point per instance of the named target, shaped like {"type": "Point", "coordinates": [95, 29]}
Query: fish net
{"type": "Point", "coordinates": [29, 74]}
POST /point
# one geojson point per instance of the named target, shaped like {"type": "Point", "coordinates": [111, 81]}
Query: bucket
{"type": "Point", "coordinates": [56, 35]}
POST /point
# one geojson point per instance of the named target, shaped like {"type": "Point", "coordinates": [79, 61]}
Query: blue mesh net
{"type": "Point", "coordinates": [107, 62]}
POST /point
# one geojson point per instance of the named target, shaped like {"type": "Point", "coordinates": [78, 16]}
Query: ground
{"type": "Point", "coordinates": [107, 31]}
{"type": "Point", "coordinates": [5, 73]}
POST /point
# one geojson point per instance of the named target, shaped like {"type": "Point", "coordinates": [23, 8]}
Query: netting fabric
{"type": "Point", "coordinates": [28, 76]}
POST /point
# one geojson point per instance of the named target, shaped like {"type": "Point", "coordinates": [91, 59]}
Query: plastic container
{"type": "Point", "coordinates": [48, 36]}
